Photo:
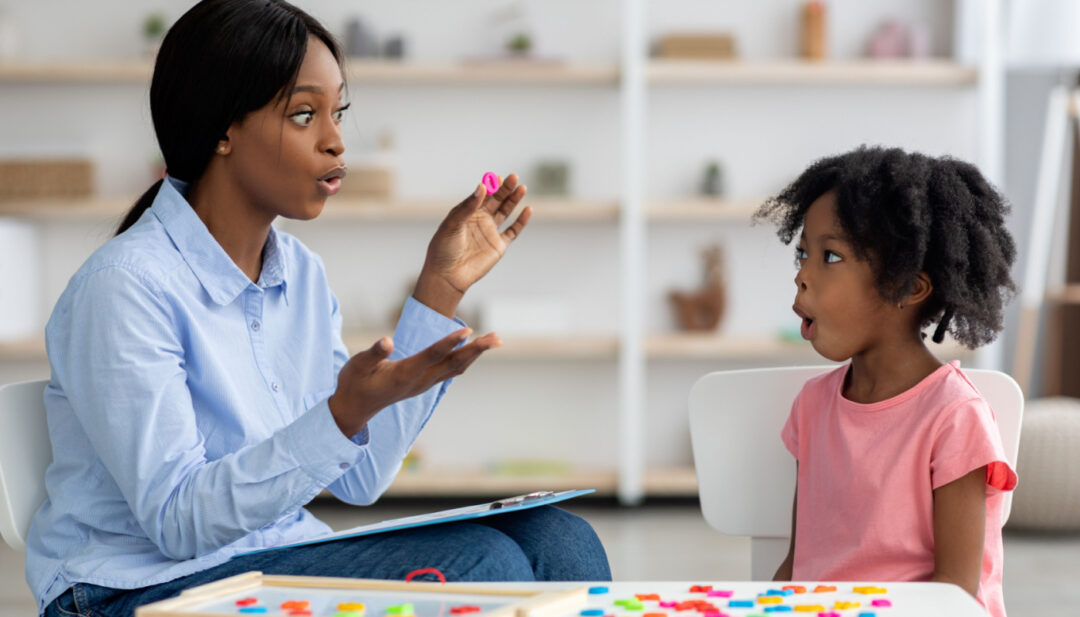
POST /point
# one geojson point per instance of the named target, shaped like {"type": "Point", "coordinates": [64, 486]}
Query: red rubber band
{"type": "Point", "coordinates": [435, 571]}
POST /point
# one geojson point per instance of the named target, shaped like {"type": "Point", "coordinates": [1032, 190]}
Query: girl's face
{"type": "Point", "coordinates": [287, 155]}
{"type": "Point", "coordinates": [842, 312]}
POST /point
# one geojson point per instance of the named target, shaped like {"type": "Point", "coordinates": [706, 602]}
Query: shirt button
{"type": "Point", "coordinates": [344, 465]}
{"type": "Point", "coordinates": [254, 325]}
{"type": "Point", "coordinates": [275, 386]}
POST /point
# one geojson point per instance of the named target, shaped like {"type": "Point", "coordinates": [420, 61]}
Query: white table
{"type": "Point", "coordinates": [323, 596]}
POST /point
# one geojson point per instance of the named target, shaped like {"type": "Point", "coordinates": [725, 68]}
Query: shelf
{"type": "Point", "coordinates": [340, 208]}
{"type": "Point", "coordinates": [676, 346]}
{"type": "Point", "coordinates": [518, 347]}
{"type": "Point", "coordinates": [692, 346]}
{"type": "Point", "coordinates": [55, 72]}
{"type": "Point", "coordinates": [524, 72]}
{"type": "Point", "coordinates": [804, 72]}
{"type": "Point", "coordinates": [703, 209]}
{"type": "Point", "coordinates": [357, 71]}
{"type": "Point", "coordinates": [544, 209]}
{"type": "Point", "coordinates": [1068, 294]}
{"type": "Point", "coordinates": [32, 350]}
{"type": "Point", "coordinates": [481, 72]}
{"type": "Point", "coordinates": [79, 208]}
{"type": "Point", "coordinates": [673, 482]}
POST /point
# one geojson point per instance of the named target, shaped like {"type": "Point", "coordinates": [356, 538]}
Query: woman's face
{"type": "Point", "coordinates": [287, 155]}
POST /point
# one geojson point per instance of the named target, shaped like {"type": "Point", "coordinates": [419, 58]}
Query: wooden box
{"type": "Point", "coordinates": [38, 178]}
{"type": "Point", "coordinates": [322, 596]}
{"type": "Point", "coordinates": [696, 46]}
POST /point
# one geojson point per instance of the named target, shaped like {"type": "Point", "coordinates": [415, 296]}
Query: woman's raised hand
{"type": "Point", "coordinates": [370, 382]}
{"type": "Point", "coordinates": [468, 244]}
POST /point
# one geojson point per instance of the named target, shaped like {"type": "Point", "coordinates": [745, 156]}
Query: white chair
{"type": "Point", "coordinates": [746, 477]}
{"type": "Point", "coordinates": [25, 453]}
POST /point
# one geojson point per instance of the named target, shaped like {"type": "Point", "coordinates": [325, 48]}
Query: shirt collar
{"type": "Point", "coordinates": [217, 272]}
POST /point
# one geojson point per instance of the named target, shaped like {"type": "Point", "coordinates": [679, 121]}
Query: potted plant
{"type": "Point", "coordinates": [153, 30]}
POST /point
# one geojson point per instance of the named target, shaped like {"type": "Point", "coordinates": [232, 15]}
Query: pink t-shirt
{"type": "Point", "coordinates": [867, 474]}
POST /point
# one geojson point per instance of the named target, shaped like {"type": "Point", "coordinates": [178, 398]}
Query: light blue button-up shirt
{"type": "Point", "coordinates": [188, 407]}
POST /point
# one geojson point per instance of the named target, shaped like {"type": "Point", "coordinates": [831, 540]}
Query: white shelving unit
{"type": "Point", "coordinates": [635, 349]}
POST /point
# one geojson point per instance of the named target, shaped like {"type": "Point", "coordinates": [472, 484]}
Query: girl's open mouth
{"type": "Point", "coordinates": [808, 330]}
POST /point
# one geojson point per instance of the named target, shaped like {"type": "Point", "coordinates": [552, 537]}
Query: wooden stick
{"type": "Point", "coordinates": [553, 603]}
{"type": "Point", "coordinates": [201, 594]}
{"type": "Point", "coordinates": [1024, 356]}
{"type": "Point", "coordinates": [225, 582]}
{"type": "Point", "coordinates": [383, 585]}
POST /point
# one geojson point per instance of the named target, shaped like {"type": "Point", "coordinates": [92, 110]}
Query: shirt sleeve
{"type": "Point", "coordinates": [120, 362]}
{"type": "Point", "coordinates": [966, 439]}
{"type": "Point", "coordinates": [388, 436]}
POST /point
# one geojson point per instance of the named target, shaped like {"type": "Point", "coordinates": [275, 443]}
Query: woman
{"type": "Point", "coordinates": [200, 391]}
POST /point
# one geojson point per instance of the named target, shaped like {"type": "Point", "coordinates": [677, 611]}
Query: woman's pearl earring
{"type": "Point", "coordinates": [221, 149]}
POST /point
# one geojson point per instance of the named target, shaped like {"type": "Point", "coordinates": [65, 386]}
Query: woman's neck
{"type": "Point", "coordinates": [889, 369]}
{"type": "Point", "coordinates": [239, 226]}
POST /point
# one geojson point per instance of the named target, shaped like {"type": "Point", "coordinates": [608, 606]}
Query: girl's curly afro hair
{"type": "Point", "coordinates": [907, 213]}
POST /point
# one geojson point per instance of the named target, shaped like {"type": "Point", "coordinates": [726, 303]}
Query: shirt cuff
{"type": "Point", "coordinates": [420, 327]}
{"type": "Point", "coordinates": [319, 447]}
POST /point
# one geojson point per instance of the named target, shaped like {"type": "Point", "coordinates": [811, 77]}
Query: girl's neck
{"type": "Point", "coordinates": [889, 369]}
{"type": "Point", "coordinates": [239, 226]}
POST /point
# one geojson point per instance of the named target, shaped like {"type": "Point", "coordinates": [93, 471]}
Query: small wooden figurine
{"type": "Point", "coordinates": [703, 309]}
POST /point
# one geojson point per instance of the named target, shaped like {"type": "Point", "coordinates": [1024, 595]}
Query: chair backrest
{"type": "Point", "coordinates": [25, 453]}
{"type": "Point", "coordinates": [746, 477]}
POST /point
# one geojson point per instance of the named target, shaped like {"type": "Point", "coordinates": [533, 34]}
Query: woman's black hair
{"type": "Point", "coordinates": [220, 61]}
{"type": "Point", "coordinates": [907, 213]}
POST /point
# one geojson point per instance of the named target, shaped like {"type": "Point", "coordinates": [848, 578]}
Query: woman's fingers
{"type": "Point", "coordinates": [507, 186]}
{"type": "Point", "coordinates": [439, 350]}
{"type": "Point", "coordinates": [379, 351]}
{"type": "Point", "coordinates": [457, 362]}
{"type": "Point", "coordinates": [507, 206]}
{"type": "Point", "coordinates": [496, 200]}
{"type": "Point", "coordinates": [514, 230]}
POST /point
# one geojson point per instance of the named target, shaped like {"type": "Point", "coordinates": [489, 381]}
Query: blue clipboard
{"type": "Point", "coordinates": [500, 506]}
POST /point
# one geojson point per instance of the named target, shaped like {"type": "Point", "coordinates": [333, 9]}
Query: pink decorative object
{"type": "Point", "coordinates": [890, 40]}
{"type": "Point", "coordinates": [881, 602]}
{"type": "Point", "coordinates": [491, 182]}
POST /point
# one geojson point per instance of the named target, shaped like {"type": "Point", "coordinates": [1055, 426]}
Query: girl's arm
{"type": "Point", "coordinates": [783, 573]}
{"type": "Point", "coordinates": [959, 530]}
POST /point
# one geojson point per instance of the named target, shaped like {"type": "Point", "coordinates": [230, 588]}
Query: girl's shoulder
{"type": "Point", "coordinates": [825, 383]}
{"type": "Point", "coordinates": [949, 385]}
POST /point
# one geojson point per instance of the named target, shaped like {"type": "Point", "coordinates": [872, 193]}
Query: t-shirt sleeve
{"type": "Point", "coordinates": [790, 433]}
{"type": "Point", "coordinates": [967, 439]}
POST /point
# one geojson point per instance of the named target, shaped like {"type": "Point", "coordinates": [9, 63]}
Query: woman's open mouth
{"type": "Point", "coordinates": [330, 182]}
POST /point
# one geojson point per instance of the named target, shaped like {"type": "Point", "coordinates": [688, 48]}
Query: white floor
{"type": "Point", "coordinates": [671, 542]}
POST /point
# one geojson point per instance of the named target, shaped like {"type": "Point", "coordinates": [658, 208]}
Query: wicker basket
{"type": "Point", "coordinates": [40, 178]}
{"type": "Point", "coordinates": [1048, 495]}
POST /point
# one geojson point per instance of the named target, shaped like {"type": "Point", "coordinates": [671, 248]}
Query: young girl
{"type": "Point", "coordinates": [200, 390]}
{"type": "Point", "coordinates": [901, 471]}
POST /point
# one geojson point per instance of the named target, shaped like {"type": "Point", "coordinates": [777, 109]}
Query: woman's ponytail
{"type": "Point", "coordinates": [142, 205]}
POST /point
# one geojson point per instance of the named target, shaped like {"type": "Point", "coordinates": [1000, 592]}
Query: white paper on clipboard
{"type": "Point", "coordinates": [491, 508]}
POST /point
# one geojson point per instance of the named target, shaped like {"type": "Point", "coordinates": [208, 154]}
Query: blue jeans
{"type": "Point", "coordinates": [539, 544]}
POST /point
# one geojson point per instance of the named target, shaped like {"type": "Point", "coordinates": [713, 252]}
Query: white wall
{"type": "Point", "coordinates": [448, 136]}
